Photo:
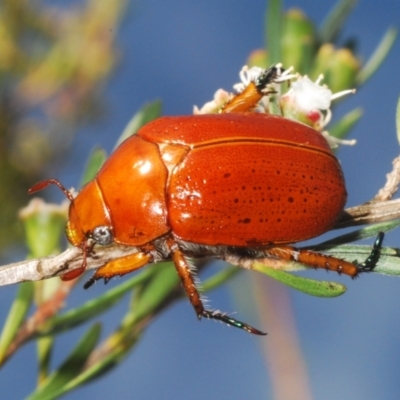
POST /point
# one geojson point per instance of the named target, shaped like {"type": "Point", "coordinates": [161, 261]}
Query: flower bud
{"type": "Point", "coordinates": [44, 226]}
{"type": "Point", "coordinates": [304, 102]}
{"type": "Point", "coordinates": [343, 70]}
{"type": "Point", "coordinates": [258, 58]}
{"type": "Point", "coordinates": [322, 60]}
{"type": "Point", "coordinates": [339, 67]}
{"type": "Point", "coordinates": [298, 41]}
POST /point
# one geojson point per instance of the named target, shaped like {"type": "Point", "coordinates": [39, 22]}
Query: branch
{"type": "Point", "coordinates": [48, 267]}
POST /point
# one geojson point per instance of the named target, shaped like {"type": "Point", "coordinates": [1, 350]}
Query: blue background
{"type": "Point", "coordinates": [181, 52]}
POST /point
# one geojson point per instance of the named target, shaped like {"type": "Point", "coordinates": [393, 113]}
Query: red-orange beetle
{"type": "Point", "coordinates": [238, 183]}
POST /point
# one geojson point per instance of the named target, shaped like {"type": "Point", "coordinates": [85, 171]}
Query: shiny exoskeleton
{"type": "Point", "coordinates": [231, 183]}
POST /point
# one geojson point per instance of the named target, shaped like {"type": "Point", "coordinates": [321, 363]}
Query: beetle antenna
{"type": "Point", "coordinates": [43, 184]}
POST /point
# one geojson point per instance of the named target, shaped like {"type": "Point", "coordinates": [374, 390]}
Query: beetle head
{"type": "Point", "coordinates": [88, 218]}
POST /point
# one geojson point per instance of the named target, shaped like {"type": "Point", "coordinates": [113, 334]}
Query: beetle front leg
{"type": "Point", "coordinates": [120, 266]}
{"type": "Point", "coordinates": [183, 269]}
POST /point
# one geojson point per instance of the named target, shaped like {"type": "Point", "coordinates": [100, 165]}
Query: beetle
{"type": "Point", "coordinates": [242, 183]}
{"type": "Point", "coordinates": [234, 183]}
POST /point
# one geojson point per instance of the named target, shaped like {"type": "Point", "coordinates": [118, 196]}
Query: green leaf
{"type": "Point", "coordinates": [156, 283]}
{"type": "Point", "coordinates": [274, 106]}
{"type": "Point", "coordinates": [92, 308]}
{"type": "Point", "coordinates": [341, 128]}
{"type": "Point", "coordinates": [273, 25]}
{"type": "Point", "coordinates": [388, 264]}
{"type": "Point", "coordinates": [377, 57]}
{"type": "Point", "coordinates": [305, 285]}
{"type": "Point", "coordinates": [298, 41]}
{"type": "Point", "coordinates": [54, 385]}
{"type": "Point", "coordinates": [334, 21]}
{"type": "Point", "coordinates": [150, 298]}
{"type": "Point", "coordinates": [146, 114]}
{"type": "Point", "coordinates": [389, 261]}
{"type": "Point", "coordinates": [44, 225]}
{"type": "Point", "coordinates": [16, 315]}
{"type": "Point", "coordinates": [96, 160]}
{"type": "Point", "coordinates": [364, 233]}
{"type": "Point", "coordinates": [44, 348]}
{"type": "Point", "coordinates": [219, 278]}
{"type": "Point", "coordinates": [153, 295]}
{"type": "Point", "coordinates": [87, 375]}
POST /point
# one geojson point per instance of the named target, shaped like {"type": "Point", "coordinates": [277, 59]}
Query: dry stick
{"type": "Point", "coordinates": [33, 270]}
{"type": "Point", "coordinates": [392, 183]}
{"type": "Point", "coordinates": [381, 208]}
{"type": "Point", "coordinates": [48, 267]}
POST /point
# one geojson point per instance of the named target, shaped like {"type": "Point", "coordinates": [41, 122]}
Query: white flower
{"type": "Point", "coordinates": [309, 102]}
{"type": "Point", "coordinates": [256, 74]}
{"type": "Point", "coordinates": [221, 97]}
{"type": "Point", "coordinates": [309, 95]}
{"type": "Point", "coordinates": [247, 75]}
{"type": "Point", "coordinates": [260, 90]}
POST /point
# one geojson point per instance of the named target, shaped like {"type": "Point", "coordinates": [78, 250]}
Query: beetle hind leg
{"type": "Point", "coordinates": [185, 273]}
{"type": "Point", "coordinates": [318, 260]}
{"type": "Point", "coordinates": [370, 263]}
{"type": "Point", "coordinates": [312, 259]}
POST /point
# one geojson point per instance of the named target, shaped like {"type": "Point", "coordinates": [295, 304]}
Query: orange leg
{"type": "Point", "coordinates": [244, 101]}
{"type": "Point", "coordinates": [317, 260]}
{"type": "Point", "coordinates": [120, 266]}
{"type": "Point", "coordinates": [184, 271]}
{"type": "Point", "coordinates": [312, 259]}
{"type": "Point", "coordinates": [252, 94]}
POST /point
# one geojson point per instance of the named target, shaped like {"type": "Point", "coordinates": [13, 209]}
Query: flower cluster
{"type": "Point", "coordinates": [282, 92]}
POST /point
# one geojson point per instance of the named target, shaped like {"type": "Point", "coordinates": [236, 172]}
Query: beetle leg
{"type": "Point", "coordinates": [244, 101]}
{"type": "Point", "coordinates": [247, 100]}
{"type": "Point", "coordinates": [313, 259]}
{"type": "Point", "coordinates": [120, 266]}
{"type": "Point", "coordinates": [370, 263]}
{"type": "Point", "coordinates": [184, 271]}
{"type": "Point", "coordinates": [317, 260]}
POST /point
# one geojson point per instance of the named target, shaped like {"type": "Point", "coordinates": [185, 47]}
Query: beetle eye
{"type": "Point", "coordinates": [102, 235]}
